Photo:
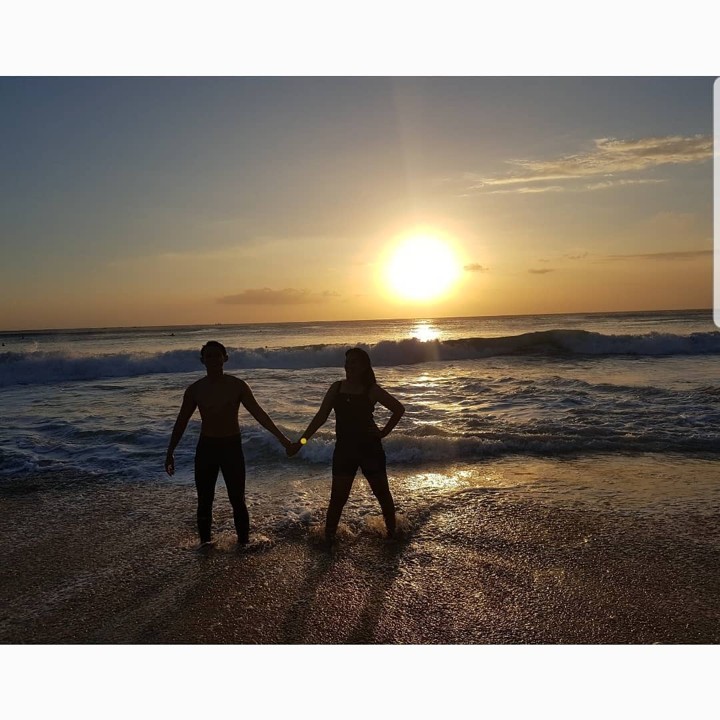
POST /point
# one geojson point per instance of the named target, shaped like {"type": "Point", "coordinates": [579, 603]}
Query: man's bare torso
{"type": "Point", "coordinates": [218, 400]}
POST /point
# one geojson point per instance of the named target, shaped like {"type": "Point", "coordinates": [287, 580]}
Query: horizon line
{"type": "Point", "coordinates": [367, 320]}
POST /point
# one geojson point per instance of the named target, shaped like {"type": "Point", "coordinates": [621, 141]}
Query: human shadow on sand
{"type": "Point", "coordinates": [356, 574]}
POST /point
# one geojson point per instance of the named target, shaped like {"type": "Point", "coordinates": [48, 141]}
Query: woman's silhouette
{"type": "Point", "coordinates": [358, 439]}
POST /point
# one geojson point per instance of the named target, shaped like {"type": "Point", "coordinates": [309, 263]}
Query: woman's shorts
{"type": "Point", "coordinates": [367, 454]}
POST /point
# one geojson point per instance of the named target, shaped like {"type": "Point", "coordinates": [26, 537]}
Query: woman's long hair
{"type": "Point", "coordinates": [368, 375]}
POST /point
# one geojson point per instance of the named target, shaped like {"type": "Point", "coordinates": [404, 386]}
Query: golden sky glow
{"type": "Point", "coordinates": [231, 200]}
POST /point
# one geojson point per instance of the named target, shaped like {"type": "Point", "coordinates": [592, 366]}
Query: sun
{"type": "Point", "coordinates": [422, 267]}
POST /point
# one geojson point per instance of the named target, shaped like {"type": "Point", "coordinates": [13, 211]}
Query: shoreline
{"type": "Point", "coordinates": [477, 567]}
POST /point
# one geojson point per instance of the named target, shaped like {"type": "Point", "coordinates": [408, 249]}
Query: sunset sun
{"type": "Point", "coordinates": [422, 267]}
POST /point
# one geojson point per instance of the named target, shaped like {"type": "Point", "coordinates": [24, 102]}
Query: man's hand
{"type": "Point", "coordinates": [293, 449]}
{"type": "Point", "coordinates": [169, 464]}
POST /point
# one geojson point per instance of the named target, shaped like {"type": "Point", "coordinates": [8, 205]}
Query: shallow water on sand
{"type": "Point", "coordinates": [536, 551]}
{"type": "Point", "coordinates": [632, 484]}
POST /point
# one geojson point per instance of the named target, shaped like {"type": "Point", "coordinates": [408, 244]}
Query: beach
{"type": "Point", "coordinates": [506, 287]}
{"type": "Point", "coordinates": [88, 561]}
{"type": "Point", "coordinates": [556, 477]}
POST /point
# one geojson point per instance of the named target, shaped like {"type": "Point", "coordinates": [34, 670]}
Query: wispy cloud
{"type": "Point", "coordinates": [288, 296]}
{"type": "Point", "coordinates": [666, 256]}
{"type": "Point", "coordinates": [475, 267]}
{"type": "Point", "coordinates": [541, 271]}
{"type": "Point", "coordinates": [584, 187]}
{"type": "Point", "coordinates": [606, 159]}
{"type": "Point", "coordinates": [605, 184]}
{"type": "Point", "coordinates": [522, 190]}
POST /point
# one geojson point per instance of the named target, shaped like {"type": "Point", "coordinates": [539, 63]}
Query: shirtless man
{"type": "Point", "coordinates": [219, 448]}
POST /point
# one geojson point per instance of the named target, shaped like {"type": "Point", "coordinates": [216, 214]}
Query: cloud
{"type": "Point", "coordinates": [666, 256]}
{"type": "Point", "coordinates": [266, 296]}
{"type": "Point", "coordinates": [541, 271]}
{"type": "Point", "coordinates": [605, 184]}
{"type": "Point", "coordinates": [521, 190]}
{"type": "Point", "coordinates": [607, 158]}
{"type": "Point", "coordinates": [475, 267]}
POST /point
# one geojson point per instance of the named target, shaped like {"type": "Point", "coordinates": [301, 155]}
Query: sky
{"type": "Point", "coordinates": [137, 201]}
{"type": "Point", "coordinates": [129, 201]}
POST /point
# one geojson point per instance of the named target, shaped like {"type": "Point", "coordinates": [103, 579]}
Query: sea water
{"type": "Point", "coordinates": [601, 408]}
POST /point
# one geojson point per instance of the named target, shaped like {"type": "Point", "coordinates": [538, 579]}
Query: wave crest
{"type": "Point", "coordinates": [40, 367]}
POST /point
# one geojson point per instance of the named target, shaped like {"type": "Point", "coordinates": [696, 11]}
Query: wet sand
{"type": "Point", "coordinates": [81, 566]}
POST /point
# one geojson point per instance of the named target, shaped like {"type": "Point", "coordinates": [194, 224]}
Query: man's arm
{"type": "Point", "coordinates": [253, 407]}
{"type": "Point", "coordinates": [186, 410]}
{"type": "Point", "coordinates": [392, 404]}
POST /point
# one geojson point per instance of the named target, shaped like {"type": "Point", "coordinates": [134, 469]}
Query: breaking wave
{"type": "Point", "coordinates": [40, 367]}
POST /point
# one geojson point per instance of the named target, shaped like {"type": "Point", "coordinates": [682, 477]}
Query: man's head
{"type": "Point", "coordinates": [213, 351]}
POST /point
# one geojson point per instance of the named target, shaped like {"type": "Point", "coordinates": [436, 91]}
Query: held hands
{"type": "Point", "coordinates": [293, 448]}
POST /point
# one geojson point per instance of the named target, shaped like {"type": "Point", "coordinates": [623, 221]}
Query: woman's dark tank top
{"type": "Point", "coordinates": [353, 415]}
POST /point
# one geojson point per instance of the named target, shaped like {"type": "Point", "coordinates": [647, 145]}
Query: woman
{"type": "Point", "coordinates": [358, 438]}
{"type": "Point", "coordinates": [219, 396]}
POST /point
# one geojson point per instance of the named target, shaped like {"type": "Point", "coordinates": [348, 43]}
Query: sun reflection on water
{"type": "Point", "coordinates": [445, 481]}
{"type": "Point", "coordinates": [425, 332]}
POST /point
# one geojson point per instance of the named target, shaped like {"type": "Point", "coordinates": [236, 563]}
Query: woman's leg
{"type": "Point", "coordinates": [344, 467]}
{"type": "Point", "coordinates": [374, 468]}
{"type": "Point", "coordinates": [206, 472]}
{"type": "Point", "coordinates": [341, 486]}
{"type": "Point", "coordinates": [381, 489]}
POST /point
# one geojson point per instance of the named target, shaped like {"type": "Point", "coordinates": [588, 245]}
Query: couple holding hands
{"type": "Point", "coordinates": [358, 439]}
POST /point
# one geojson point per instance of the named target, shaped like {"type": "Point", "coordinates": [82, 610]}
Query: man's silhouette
{"type": "Point", "coordinates": [219, 396]}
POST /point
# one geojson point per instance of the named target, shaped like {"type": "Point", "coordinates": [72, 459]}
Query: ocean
{"type": "Point", "coordinates": [556, 479]}
{"type": "Point", "coordinates": [616, 410]}
{"type": "Point", "coordinates": [601, 392]}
